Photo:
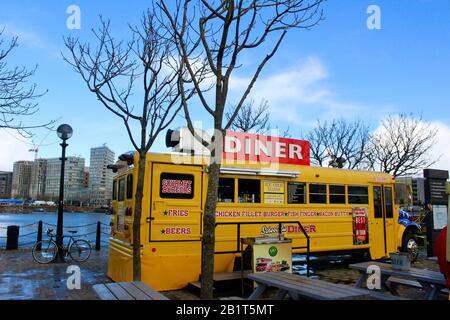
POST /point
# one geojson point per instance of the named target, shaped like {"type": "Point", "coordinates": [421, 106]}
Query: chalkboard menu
{"type": "Point", "coordinates": [296, 193]}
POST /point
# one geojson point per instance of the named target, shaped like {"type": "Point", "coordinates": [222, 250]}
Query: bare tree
{"type": "Point", "coordinates": [402, 145]}
{"type": "Point", "coordinates": [17, 97]}
{"type": "Point", "coordinates": [318, 140]}
{"type": "Point", "coordinates": [251, 119]}
{"type": "Point", "coordinates": [215, 34]}
{"type": "Point", "coordinates": [255, 120]}
{"type": "Point", "coordinates": [341, 143]}
{"type": "Point", "coordinates": [111, 71]}
{"type": "Point", "coordinates": [286, 133]}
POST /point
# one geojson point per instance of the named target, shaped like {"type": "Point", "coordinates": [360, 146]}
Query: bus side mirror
{"type": "Point", "coordinates": [113, 167]}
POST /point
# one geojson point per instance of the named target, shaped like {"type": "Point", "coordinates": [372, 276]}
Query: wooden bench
{"type": "Point", "coordinates": [127, 291]}
{"type": "Point", "coordinates": [377, 295]}
{"type": "Point", "coordinates": [302, 287]}
{"type": "Point", "coordinates": [431, 282]}
{"type": "Point", "coordinates": [394, 281]}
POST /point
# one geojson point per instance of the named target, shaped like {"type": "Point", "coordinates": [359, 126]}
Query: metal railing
{"type": "Point", "coordinates": [280, 232]}
{"type": "Point", "coordinates": [39, 232]}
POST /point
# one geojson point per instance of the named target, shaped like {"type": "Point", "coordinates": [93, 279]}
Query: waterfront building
{"type": "Point", "coordinates": [417, 189]}
{"type": "Point", "coordinates": [5, 184]}
{"type": "Point", "coordinates": [86, 177]}
{"type": "Point", "coordinates": [73, 178]}
{"type": "Point", "coordinates": [100, 177]}
{"type": "Point", "coordinates": [21, 179]}
{"type": "Point", "coordinates": [38, 177]}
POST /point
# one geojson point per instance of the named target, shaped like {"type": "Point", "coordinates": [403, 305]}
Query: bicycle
{"type": "Point", "coordinates": [45, 251]}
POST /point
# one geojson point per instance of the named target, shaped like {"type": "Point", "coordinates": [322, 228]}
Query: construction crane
{"type": "Point", "coordinates": [35, 148]}
{"type": "Point", "coordinates": [36, 151]}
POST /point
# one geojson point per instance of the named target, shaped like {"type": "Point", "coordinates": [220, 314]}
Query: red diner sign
{"type": "Point", "coordinates": [266, 149]}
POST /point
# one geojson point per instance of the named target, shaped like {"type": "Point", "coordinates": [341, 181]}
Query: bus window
{"type": "Point", "coordinates": [226, 190]}
{"type": "Point", "coordinates": [337, 194]}
{"type": "Point", "coordinates": [249, 191]}
{"type": "Point", "coordinates": [377, 202]}
{"type": "Point", "coordinates": [114, 190]}
{"type": "Point", "coordinates": [296, 193]}
{"type": "Point", "coordinates": [177, 186]}
{"type": "Point", "coordinates": [389, 208]}
{"type": "Point", "coordinates": [318, 193]}
{"type": "Point", "coordinates": [358, 195]}
{"type": "Point", "coordinates": [129, 186]}
{"type": "Point", "coordinates": [121, 195]}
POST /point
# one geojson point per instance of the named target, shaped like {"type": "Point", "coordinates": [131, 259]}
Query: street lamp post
{"type": "Point", "coordinates": [64, 132]}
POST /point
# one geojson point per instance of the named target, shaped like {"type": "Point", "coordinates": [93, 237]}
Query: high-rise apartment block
{"type": "Point", "coordinates": [417, 189]}
{"type": "Point", "coordinates": [100, 178]}
{"type": "Point", "coordinates": [21, 179]}
{"type": "Point", "coordinates": [5, 184]}
{"type": "Point", "coordinates": [38, 177]}
{"type": "Point", "coordinates": [73, 178]}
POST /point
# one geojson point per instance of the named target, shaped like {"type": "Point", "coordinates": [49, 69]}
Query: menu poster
{"type": "Point", "coordinates": [439, 217]}
{"type": "Point", "coordinates": [273, 192]}
{"type": "Point", "coordinates": [273, 198]}
{"type": "Point", "coordinates": [296, 193]}
{"type": "Point", "coordinates": [274, 186]}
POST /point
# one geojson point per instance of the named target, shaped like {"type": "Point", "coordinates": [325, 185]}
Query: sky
{"type": "Point", "coordinates": [338, 69]}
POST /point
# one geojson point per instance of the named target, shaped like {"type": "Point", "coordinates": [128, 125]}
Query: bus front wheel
{"type": "Point", "coordinates": [411, 246]}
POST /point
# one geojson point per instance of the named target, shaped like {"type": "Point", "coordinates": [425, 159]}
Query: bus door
{"type": "Point", "coordinates": [383, 227]}
{"type": "Point", "coordinates": [176, 203]}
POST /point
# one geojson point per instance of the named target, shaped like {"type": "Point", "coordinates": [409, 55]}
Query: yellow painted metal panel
{"type": "Point", "coordinates": [171, 260]}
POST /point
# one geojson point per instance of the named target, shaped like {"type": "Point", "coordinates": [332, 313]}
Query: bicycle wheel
{"type": "Point", "coordinates": [46, 253]}
{"type": "Point", "coordinates": [80, 250]}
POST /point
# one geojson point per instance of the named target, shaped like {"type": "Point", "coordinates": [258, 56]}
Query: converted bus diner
{"type": "Point", "coordinates": [341, 210]}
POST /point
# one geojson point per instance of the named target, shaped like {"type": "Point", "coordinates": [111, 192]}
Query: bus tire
{"type": "Point", "coordinates": [411, 246]}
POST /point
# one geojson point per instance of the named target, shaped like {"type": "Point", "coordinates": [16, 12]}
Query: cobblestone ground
{"type": "Point", "coordinates": [22, 279]}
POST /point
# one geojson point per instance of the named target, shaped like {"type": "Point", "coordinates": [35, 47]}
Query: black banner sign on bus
{"type": "Point", "coordinates": [177, 186]}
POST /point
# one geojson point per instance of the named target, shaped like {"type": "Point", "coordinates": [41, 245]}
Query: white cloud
{"type": "Point", "coordinates": [29, 38]}
{"type": "Point", "coordinates": [14, 148]}
{"type": "Point", "coordinates": [441, 150]}
{"type": "Point", "coordinates": [300, 95]}
{"type": "Point", "coordinates": [442, 147]}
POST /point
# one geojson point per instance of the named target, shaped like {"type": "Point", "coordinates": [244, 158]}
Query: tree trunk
{"type": "Point", "coordinates": [209, 226]}
{"type": "Point", "coordinates": [137, 218]}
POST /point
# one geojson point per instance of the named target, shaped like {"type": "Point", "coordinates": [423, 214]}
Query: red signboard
{"type": "Point", "coordinates": [360, 225]}
{"type": "Point", "coordinates": [265, 149]}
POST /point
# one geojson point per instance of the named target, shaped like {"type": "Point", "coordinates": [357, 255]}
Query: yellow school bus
{"type": "Point", "coordinates": [341, 211]}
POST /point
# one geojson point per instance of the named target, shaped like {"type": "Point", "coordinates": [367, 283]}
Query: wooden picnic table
{"type": "Point", "coordinates": [298, 287]}
{"type": "Point", "coordinates": [432, 282]}
{"type": "Point", "coordinates": [127, 291]}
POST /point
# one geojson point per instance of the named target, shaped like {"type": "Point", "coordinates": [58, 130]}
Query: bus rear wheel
{"type": "Point", "coordinates": [411, 246]}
